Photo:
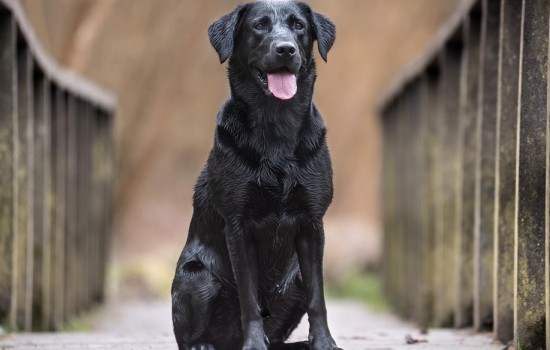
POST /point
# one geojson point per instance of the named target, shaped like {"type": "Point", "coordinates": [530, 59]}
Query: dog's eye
{"type": "Point", "coordinates": [298, 26]}
{"type": "Point", "coordinates": [259, 26]}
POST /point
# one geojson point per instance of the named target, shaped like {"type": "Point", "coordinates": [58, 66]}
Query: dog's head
{"type": "Point", "coordinates": [273, 41]}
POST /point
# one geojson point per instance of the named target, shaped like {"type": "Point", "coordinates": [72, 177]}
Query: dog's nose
{"type": "Point", "coordinates": [285, 48]}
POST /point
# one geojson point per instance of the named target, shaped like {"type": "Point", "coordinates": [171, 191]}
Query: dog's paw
{"type": "Point", "coordinates": [201, 347]}
{"type": "Point", "coordinates": [323, 343]}
{"type": "Point", "coordinates": [256, 343]}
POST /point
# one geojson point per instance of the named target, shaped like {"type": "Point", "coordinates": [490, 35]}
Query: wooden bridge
{"type": "Point", "coordinates": [465, 196]}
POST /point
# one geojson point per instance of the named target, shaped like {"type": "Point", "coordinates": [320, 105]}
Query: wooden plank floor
{"type": "Point", "coordinates": [139, 326]}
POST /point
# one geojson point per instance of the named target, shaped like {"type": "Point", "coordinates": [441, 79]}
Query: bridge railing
{"type": "Point", "coordinates": [466, 176]}
{"type": "Point", "coordinates": [56, 176]}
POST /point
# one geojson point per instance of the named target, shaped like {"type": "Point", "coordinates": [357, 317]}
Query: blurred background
{"type": "Point", "coordinates": [156, 57]}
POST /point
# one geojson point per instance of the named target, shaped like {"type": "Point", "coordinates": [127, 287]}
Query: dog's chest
{"type": "Point", "coordinates": [276, 190]}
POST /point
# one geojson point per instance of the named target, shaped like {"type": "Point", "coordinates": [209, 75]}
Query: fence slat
{"type": "Point", "coordinates": [59, 181]}
{"type": "Point", "coordinates": [452, 65]}
{"type": "Point", "coordinates": [531, 180]}
{"type": "Point", "coordinates": [41, 211]}
{"type": "Point", "coordinates": [8, 128]}
{"type": "Point", "coordinates": [24, 206]}
{"type": "Point", "coordinates": [108, 194]}
{"type": "Point", "coordinates": [465, 267]}
{"type": "Point", "coordinates": [401, 229]}
{"type": "Point", "coordinates": [71, 254]}
{"type": "Point", "coordinates": [507, 119]}
{"type": "Point", "coordinates": [485, 167]}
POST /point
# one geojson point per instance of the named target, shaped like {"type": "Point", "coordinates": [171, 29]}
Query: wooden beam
{"type": "Point", "coordinates": [531, 208]}
{"type": "Point", "coordinates": [8, 164]}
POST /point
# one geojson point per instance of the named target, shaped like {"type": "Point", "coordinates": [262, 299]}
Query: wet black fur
{"type": "Point", "coordinates": [252, 264]}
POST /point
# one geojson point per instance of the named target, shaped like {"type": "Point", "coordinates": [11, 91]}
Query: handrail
{"type": "Point", "coordinates": [64, 78]}
{"type": "Point", "coordinates": [409, 72]}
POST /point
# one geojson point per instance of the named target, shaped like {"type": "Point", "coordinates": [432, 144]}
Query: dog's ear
{"type": "Point", "coordinates": [223, 32]}
{"type": "Point", "coordinates": [324, 31]}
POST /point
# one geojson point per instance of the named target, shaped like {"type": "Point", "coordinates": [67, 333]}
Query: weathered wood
{"type": "Point", "coordinates": [59, 179]}
{"type": "Point", "coordinates": [60, 76]}
{"type": "Point", "coordinates": [401, 225]}
{"type": "Point", "coordinates": [465, 266]}
{"type": "Point", "coordinates": [110, 179]}
{"type": "Point", "coordinates": [531, 208]}
{"type": "Point", "coordinates": [50, 241]}
{"type": "Point", "coordinates": [71, 254]}
{"type": "Point", "coordinates": [433, 227]}
{"type": "Point", "coordinates": [406, 230]}
{"type": "Point", "coordinates": [452, 58]}
{"type": "Point", "coordinates": [435, 138]}
{"type": "Point", "coordinates": [386, 202]}
{"type": "Point", "coordinates": [412, 70]}
{"type": "Point", "coordinates": [95, 207]}
{"type": "Point", "coordinates": [415, 193]}
{"type": "Point", "coordinates": [389, 201]}
{"type": "Point", "coordinates": [42, 211]}
{"type": "Point", "coordinates": [505, 196]}
{"type": "Point", "coordinates": [25, 220]}
{"type": "Point", "coordinates": [80, 193]}
{"type": "Point", "coordinates": [86, 191]}
{"type": "Point", "coordinates": [492, 209]}
{"type": "Point", "coordinates": [8, 164]}
{"type": "Point", "coordinates": [485, 167]}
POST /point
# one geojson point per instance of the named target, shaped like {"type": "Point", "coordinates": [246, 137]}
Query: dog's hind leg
{"type": "Point", "coordinates": [286, 313]}
{"type": "Point", "coordinates": [194, 292]}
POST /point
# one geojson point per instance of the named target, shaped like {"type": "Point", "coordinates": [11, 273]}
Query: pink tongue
{"type": "Point", "coordinates": [282, 85]}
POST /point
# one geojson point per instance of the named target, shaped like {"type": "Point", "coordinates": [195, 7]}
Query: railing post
{"type": "Point", "coordinates": [8, 165]}
{"type": "Point", "coordinates": [95, 207]}
{"type": "Point", "coordinates": [390, 203]}
{"type": "Point", "coordinates": [505, 191]}
{"type": "Point", "coordinates": [452, 57]}
{"type": "Point", "coordinates": [59, 183]}
{"type": "Point", "coordinates": [25, 221]}
{"type": "Point", "coordinates": [71, 260]}
{"type": "Point", "coordinates": [404, 229]}
{"type": "Point", "coordinates": [485, 167]}
{"type": "Point", "coordinates": [531, 187]}
{"type": "Point", "coordinates": [415, 205]}
{"type": "Point", "coordinates": [433, 223]}
{"type": "Point", "coordinates": [41, 210]}
{"type": "Point", "coordinates": [465, 265]}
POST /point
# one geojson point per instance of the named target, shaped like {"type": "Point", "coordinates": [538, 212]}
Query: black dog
{"type": "Point", "coordinates": [252, 264]}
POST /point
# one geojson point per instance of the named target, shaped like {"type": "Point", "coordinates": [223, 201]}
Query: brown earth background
{"type": "Point", "coordinates": [156, 57]}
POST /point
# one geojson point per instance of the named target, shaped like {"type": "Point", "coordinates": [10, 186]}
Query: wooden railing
{"type": "Point", "coordinates": [466, 176]}
{"type": "Point", "coordinates": [56, 175]}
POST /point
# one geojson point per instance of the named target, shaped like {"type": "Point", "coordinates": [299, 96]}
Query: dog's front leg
{"type": "Point", "coordinates": [309, 248]}
{"type": "Point", "coordinates": [243, 260]}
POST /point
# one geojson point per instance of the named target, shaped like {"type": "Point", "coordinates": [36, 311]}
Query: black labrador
{"type": "Point", "coordinates": [252, 264]}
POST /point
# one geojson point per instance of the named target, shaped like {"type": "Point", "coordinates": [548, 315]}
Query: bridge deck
{"type": "Point", "coordinates": [139, 326]}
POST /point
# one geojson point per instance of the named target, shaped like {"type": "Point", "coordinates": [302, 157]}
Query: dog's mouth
{"type": "Point", "coordinates": [280, 82]}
